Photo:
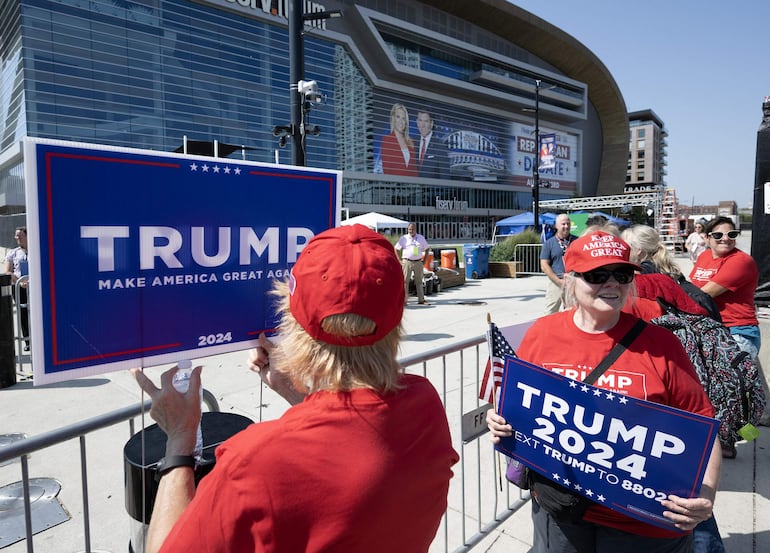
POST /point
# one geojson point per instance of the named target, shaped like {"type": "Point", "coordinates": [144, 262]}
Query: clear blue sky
{"type": "Point", "coordinates": [703, 67]}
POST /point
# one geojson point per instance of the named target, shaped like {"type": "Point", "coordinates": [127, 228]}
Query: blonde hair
{"type": "Point", "coordinates": [393, 130]}
{"type": "Point", "coordinates": [312, 365]}
{"type": "Point", "coordinates": [646, 245]}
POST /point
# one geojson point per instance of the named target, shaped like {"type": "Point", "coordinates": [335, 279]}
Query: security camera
{"type": "Point", "coordinates": [281, 130]}
{"type": "Point", "coordinates": [307, 87]}
{"type": "Point", "coordinates": [309, 91]}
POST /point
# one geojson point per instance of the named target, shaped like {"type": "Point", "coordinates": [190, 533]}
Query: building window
{"type": "Point", "coordinates": [640, 144]}
{"type": "Point", "coordinates": [640, 133]}
{"type": "Point", "coordinates": [640, 175]}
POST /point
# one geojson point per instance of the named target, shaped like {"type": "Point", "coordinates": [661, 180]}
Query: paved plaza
{"type": "Point", "coordinates": [453, 315]}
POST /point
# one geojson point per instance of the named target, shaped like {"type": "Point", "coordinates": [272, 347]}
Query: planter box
{"type": "Point", "coordinates": [505, 269]}
{"type": "Point", "coordinates": [450, 277]}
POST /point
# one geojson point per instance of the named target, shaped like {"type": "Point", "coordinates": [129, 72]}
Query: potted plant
{"type": "Point", "coordinates": [502, 262]}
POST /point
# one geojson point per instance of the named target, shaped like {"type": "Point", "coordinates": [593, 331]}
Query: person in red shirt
{"type": "Point", "coordinates": [730, 276]}
{"type": "Point", "coordinates": [360, 462]}
{"type": "Point", "coordinates": [598, 281]}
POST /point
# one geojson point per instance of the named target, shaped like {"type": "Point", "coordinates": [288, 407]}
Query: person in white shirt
{"type": "Point", "coordinates": [412, 247]}
{"type": "Point", "coordinates": [16, 265]}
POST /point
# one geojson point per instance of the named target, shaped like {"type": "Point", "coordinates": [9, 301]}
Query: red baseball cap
{"type": "Point", "coordinates": [349, 269]}
{"type": "Point", "coordinates": [597, 249]}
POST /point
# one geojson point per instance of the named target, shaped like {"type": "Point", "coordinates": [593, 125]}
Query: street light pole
{"type": "Point", "coordinates": [536, 167]}
{"type": "Point", "coordinates": [296, 74]}
{"type": "Point", "coordinates": [300, 99]}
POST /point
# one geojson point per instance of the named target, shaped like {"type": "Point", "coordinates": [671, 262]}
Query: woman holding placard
{"type": "Point", "coordinates": [598, 281]}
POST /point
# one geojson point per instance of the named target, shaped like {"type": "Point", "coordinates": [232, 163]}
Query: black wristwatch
{"type": "Point", "coordinates": [174, 461]}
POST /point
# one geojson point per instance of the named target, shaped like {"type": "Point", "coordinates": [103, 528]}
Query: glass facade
{"type": "Point", "coordinates": [148, 73]}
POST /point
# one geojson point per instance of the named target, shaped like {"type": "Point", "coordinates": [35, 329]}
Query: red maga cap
{"type": "Point", "coordinates": [349, 269]}
{"type": "Point", "coordinates": [597, 249]}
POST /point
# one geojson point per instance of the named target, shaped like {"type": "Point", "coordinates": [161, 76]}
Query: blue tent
{"type": "Point", "coordinates": [522, 221]}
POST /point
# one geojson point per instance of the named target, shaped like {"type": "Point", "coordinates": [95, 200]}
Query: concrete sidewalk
{"type": "Point", "coordinates": [743, 501]}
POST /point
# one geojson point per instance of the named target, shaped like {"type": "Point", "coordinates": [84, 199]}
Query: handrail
{"type": "Point", "coordinates": [477, 486]}
{"type": "Point", "coordinates": [19, 338]}
{"type": "Point", "coordinates": [75, 430]}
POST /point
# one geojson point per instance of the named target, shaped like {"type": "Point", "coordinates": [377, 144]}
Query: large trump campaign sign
{"type": "Point", "coordinates": [141, 258]}
{"type": "Point", "coordinates": [618, 451]}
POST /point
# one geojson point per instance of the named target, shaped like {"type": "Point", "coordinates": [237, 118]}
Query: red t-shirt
{"type": "Point", "coordinates": [736, 271]}
{"type": "Point", "coordinates": [655, 368]}
{"type": "Point", "coordinates": [340, 472]}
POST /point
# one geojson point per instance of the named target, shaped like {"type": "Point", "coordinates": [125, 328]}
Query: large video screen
{"type": "Point", "coordinates": [414, 138]}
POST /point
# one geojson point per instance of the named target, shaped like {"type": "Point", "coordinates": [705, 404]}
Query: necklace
{"type": "Point", "coordinates": [564, 242]}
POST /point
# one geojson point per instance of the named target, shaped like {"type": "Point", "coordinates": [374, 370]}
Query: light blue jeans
{"type": "Point", "coordinates": [706, 538]}
{"type": "Point", "coordinates": [748, 338]}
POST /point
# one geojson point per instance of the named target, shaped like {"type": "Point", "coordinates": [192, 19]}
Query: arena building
{"type": "Point", "coordinates": [148, 73]}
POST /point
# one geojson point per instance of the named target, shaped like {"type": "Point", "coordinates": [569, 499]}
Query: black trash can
{"type": "Point", "coordinates": [7, 348]}
{"type": "Point", "coordinates": [140, 474]}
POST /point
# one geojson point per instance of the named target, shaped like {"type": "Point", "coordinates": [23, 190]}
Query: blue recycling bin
{"type": "Point", "coordinates": [476, 260]}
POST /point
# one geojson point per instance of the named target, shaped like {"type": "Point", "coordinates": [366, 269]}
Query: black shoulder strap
{"type": "Point", "coordinates": [615, 352]}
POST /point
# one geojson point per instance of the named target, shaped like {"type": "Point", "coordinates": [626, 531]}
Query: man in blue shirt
{"type": "Point", "coordinates": [552, 262]}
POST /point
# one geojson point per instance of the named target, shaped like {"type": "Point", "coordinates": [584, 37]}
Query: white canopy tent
{"type": "Point", "coordinates": [376, 221]}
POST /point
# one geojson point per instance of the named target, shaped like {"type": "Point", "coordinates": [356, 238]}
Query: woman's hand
{"type": "Point", "coordinates": [277, 380]}
{"type": "Point", "coordinates": [498, 427]}
{"type": "Point", "coordinates": [686, 514]}
{"type": "Point", "coordinates": [177, 414]}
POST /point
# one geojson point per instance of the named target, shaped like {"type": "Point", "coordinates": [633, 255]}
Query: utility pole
{"type": "Point", "coordinates": [300, 100]}
{"type": "Point", "coordinates": [296, 74]}
{"type": "Point", "coordinates": [536, 167]}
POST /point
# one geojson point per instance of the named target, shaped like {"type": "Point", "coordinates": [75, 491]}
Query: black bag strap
{"type": "Point", "coordinates": [615, 352]}
{"type": "Point", "coordinates": [744, 394]}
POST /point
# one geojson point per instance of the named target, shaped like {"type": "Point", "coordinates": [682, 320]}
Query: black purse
{"type": "Point", "coordinates": [556, 500]}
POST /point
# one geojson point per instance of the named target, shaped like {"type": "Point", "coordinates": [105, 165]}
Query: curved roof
{"type": "Point", "coordinates": [569, 56]}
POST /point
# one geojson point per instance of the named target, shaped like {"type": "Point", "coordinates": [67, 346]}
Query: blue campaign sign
{"type": "Point", "coordinates": [621, 452]}
{"type": "Point", "coordinates": [140, 258]}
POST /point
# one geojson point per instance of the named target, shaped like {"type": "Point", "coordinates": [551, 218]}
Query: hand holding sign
{"type": "Point", "coordinates": [633, 456]}
{"type": "Point", "coordinates": [177, 414]}
{"type": "Point", "coordinates": [259, 361]}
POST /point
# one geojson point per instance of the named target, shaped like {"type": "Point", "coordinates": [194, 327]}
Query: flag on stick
{"type": "Point", "coordinates": [493, 373]}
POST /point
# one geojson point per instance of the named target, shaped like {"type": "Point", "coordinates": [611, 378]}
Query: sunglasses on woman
{"type": "Point", "coordinates": [600, 276]}
{"type": "Point", "coordinates": [732, 234]}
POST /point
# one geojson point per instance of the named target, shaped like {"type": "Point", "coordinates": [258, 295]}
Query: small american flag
{"type": "Point", "coordinates": [493, 373]}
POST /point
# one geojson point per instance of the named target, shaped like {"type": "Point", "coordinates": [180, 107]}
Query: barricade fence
{"type": "Point", "coordinates": [21, 308]}
{"type": "Point", "coordinates": [529, 256]}
{"type": "Point", "coordinates": [479, 500]}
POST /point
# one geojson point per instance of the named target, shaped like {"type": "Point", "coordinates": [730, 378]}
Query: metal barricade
{"type": "Point", "coordinates": [479, 499]}
{"type": "Point", "coordinates": [529, 256]}
{"type": "Point", "coordinates": [19, 288]}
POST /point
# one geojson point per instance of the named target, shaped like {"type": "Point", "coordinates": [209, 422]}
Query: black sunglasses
{"type": "Point", "coordinates": [600, 276]}
{"type": "Point", "coordinates": [732, 234]}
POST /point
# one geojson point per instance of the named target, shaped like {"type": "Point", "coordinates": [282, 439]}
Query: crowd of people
{"type": "Point", "coordinates": [603, 290]}
{"type": "Point", "coordinates": [334, 361]}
